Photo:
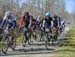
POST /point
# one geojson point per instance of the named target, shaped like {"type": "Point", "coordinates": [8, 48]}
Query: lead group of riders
{"type": "Point", "coordinates": [29, 22]}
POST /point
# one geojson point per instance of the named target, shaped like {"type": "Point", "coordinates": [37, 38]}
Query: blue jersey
{"type": "Point", "coordinates": [11, 22]}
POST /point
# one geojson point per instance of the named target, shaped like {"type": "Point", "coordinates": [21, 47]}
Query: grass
{"type": "Point", "coordinates": [19, 40]}
{"type": "Point", "coordinates": [71, 36]}
{"type": "Point", "coordinates": [69, 50]}
{"type": "Point", "coordinates": [65, 51]}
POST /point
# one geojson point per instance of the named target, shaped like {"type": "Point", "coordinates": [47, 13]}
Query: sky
{"type": "Point", "coordinates": [69, 5]}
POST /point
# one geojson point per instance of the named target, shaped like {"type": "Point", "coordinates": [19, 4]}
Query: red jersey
{"type": "Point", "coordinates": [33, 21]}
{"type": "Point", "coordinates": [26, 21]}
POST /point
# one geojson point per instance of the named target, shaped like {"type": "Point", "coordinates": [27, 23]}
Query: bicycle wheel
{"type": "Point", "coordinates": [46, 41]}
{"type": "Point", "coordinates": [5, 42]}
{"type": "Point", "coordinates": [13, 44]}
{"type": "Point", "coordinates": [55, 36]}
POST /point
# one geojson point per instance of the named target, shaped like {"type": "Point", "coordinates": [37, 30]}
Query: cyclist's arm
{"type": "Point", "coordinates": [30, 22]}
{"type": "Point", "coordinates": [43, 23]}
{"type": "Point", "coordinates": [14, 24]}
{"type": "Point", "coordinates": [3, 22]}
{"type": "Point", "coordinates": [21, 21]}
{"type": "Point", "coordinates": [58, 21]}
{"type": "Point", "coordinates": [51, 23]}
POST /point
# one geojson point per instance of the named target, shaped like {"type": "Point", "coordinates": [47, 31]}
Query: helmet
{"type": "Point", "coordinates": [47, 14]}
{"type": "Point", "coordinates": [31, 17]}
{"type": "Point", "coordinates": [55, 16]}
{"type": "Point", "coordinates": [39, 17]}
{"type": "Point", "coordinates": [26, 14]}
{"type": "Point", "coordinates": [8, 13]}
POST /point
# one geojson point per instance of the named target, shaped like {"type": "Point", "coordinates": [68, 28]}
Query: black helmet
{"type": "Point", "coordinates": [55, 16]}
{"type": "Point", "coordinates": [26, 14]}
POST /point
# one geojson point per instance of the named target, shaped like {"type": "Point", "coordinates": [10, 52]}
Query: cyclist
{"type": "Point", "coordinates": [62, 27]}
{"type": "Point", "coordinates": [55, 21]}
{"type": "Point", "coordinates": [33, 23]}
{"type": "Point", "coordinates": [47, 26]}
{"type": "Point", "coordinates": [27, 20]}
{"type": "Point", "coordinates": [33, 28]}
{"type": "Point", "coordinates": [9, 20]}
{"type": "Point", "coordinates": [8, 25]}
{"type": "Point", "coordinates": [56, 26]}
{"type": "Point", "coordinates": [47, 22]}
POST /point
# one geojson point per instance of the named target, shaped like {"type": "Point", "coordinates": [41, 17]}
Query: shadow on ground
{"type": "Point", "coordinates": [30, 51]}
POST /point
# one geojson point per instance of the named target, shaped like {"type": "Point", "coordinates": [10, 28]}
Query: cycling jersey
{"type": "Point", "coordinates": [25, 20]}
{"type": "Point", "coordinates": [9, 22]}
{"type": "Point", "coordinates": [55, 23]}
{"type": "Point", "coordinates": [33, 22]}
{"type": "Point", "coordinates": [47, 22]}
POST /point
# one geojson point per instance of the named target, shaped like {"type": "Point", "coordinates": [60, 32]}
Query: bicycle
{"type": "Point", "coordinates": [33, 35]}
{"type": "Point", "coordinates": [47, 37]}
{"type": "Point", "coordinates": [26, 36]}
{"type": "Point", "coordinates": [54, 34]}
{"type": "Point", "coordinates": [8, 41]}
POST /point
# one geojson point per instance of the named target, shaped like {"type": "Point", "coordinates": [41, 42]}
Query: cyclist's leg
{"type": "Point", "coordinates": [5, 42]}
{"type": "Point", "coordinates": [13, 39]}
{"type": "Point", "coordinates": [34, 33]}
{"type": "Point", "coordinates": [25, 34]}
{"type": "Point", "coordinates": [12, 33]}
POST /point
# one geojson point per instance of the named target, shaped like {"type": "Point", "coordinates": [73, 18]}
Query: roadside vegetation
{"type": "Point", "coordinates": [68, 48]}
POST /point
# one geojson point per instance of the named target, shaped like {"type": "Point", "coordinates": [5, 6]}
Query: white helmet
{"type": "Point", "coordinates": [8, 13]}
{"type": "Point", "coordinates": [38, 18]}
